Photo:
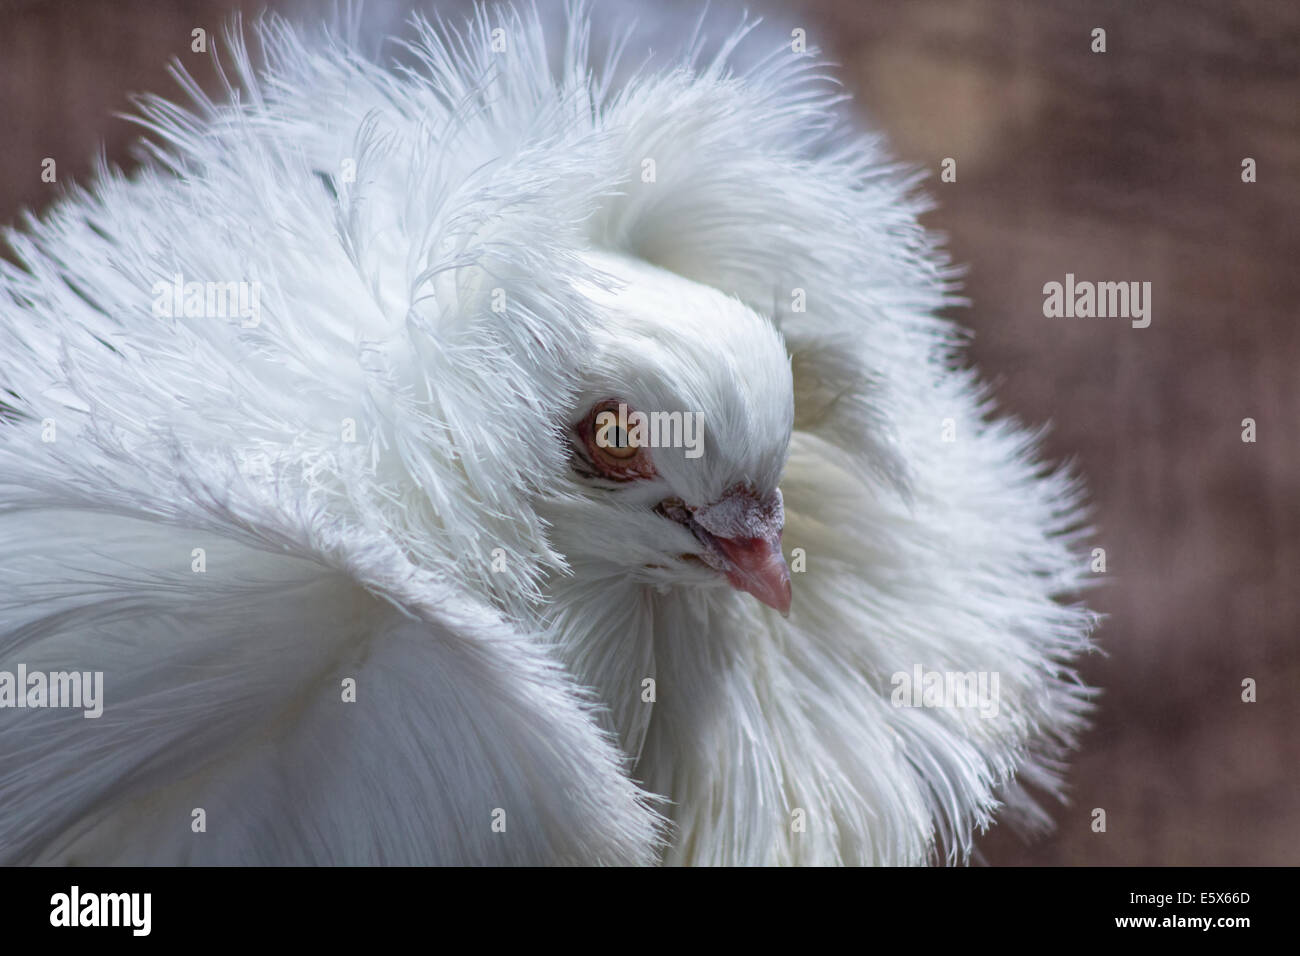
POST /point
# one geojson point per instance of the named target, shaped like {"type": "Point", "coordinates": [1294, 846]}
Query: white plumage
{"type": "Point", "coordinates": [385, 471]}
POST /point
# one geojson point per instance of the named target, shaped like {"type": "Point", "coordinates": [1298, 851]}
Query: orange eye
{"type": "Point", "coordinates": [612, 438]}
{"type": "Point", "coordinates": [613, 443]}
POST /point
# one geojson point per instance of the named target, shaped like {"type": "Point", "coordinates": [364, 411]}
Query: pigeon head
{"type": "Point", "coordinates": [679, 436]}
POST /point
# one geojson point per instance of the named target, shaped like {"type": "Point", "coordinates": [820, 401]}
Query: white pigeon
{"type": "Point", "coordinates": [511, 457]}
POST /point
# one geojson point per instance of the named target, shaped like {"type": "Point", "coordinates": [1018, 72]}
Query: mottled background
{"type": "Point", "coordinates": [1117, 166]}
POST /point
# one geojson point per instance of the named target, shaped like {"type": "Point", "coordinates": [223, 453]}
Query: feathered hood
{"type": "Point", "coordinates": [391, 412]}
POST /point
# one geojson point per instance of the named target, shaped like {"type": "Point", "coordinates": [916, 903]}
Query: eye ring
{"type": "Point", "coordinates": [611, 447]}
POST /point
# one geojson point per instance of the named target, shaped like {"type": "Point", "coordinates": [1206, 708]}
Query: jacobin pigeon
{"type": "Point", "coordinates": [500, 453]}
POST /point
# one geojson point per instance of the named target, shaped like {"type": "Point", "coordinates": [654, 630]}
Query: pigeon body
{"type": "Point", "coordinates": [369, 577]}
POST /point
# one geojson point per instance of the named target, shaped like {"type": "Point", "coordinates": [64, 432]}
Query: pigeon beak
{"type": "Point", "coordinates": [756, 566]}
{"type": "Point", "coordinates": [741, 534]}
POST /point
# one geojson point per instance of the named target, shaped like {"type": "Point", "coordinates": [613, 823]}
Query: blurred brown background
{"type": "Point", "coordinates": [1117, 166]}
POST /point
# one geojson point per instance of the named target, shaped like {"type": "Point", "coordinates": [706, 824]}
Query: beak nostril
{"type": "Point", "coordinates": [742, 513]}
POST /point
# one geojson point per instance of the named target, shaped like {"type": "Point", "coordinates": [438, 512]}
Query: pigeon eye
{"type": "Point", "coordinates": [613, 440]}
{"type": "Point", "coordinates": [612, 443]}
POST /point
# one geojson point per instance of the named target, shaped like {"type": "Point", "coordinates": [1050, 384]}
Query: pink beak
{"type": "Point", "coordinates": [757, 567]}
{"type": "Point", "coordinates": [744, 533]}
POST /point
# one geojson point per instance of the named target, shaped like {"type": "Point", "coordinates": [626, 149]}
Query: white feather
{"type": "Point", "coordinates": [500, 616]}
